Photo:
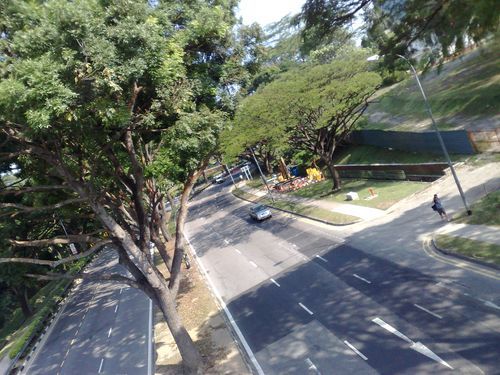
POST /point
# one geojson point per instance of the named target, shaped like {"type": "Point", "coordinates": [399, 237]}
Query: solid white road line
{"type": "Point", "coordinates": [355, 350]}
{"type": "Point", "coordinates": [116, 308]}
{"type": "Point", "coordinates": [228, 314]}
{"type": "Point", "coordinates": [305, 308]}
{"type": "Point", "coordinates": [253, 264]}
{"type": "Point", "coordinates": [428, 311]}
{"type": "Point", "coordinates": [121, 290]}
{"type": "Point", "coordinates": [312, 366]}
{"type": "Point", "coordinates": [391, 329]}
{"type": "Point", "coordinates": [71, 343]}
{"type": "Point", "coordinates": [275, 282]}
{"type": "Point", "coordinates": [110, 330]}
{"type": "Point", "coordinates": [361, 278]}
{"type": "Point", "coordinates": [323, 259]}
{"type": "Point", "coordinates": [100, 366]}
{"type": "Point", "coordinates": [62, 363]}
{"type": "Point", "coordinates": [239, 252]}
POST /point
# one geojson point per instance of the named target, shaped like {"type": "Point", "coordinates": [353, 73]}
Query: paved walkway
{"type": "Point", "coordinates": [365, 213]}
{"type": "Point", "coordinates": [474, 232]}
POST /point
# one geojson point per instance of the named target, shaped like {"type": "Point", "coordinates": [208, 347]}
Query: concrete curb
{"type": "Point", "coordinates": [300, 215]}
{"type": "Point", "coordinates": [449, 253]}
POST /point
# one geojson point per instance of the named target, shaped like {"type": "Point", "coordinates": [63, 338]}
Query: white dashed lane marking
{"type": "Point", "coordinates": [275, 282]}
{"type": "Point", "coordinates": [428, 311]}
{"type": "Point", "coordinates": [305, 308]}
{"type": "Point", "coordinates": [361, 278]}
{"type": "Point", "coordinates": [355, 350]}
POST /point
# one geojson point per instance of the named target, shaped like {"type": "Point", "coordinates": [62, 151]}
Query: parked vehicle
{"type": "Point", "coordinates": [260, 212]}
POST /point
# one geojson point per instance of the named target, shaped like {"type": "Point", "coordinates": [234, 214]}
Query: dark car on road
{"type": "Point", "coordinates": [260, 212]}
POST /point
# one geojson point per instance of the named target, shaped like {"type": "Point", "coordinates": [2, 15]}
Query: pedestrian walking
{"type": "Point", "coordinates": [438, 206]}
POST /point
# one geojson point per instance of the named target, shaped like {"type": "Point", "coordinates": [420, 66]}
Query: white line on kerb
{"type": "Point", "coordinates": [275, 282]}
{"type": "Point", "coordinates": [355, 350]}
{"type": "Point", "coordinates": [305, 308]}
{"type": "Point", "coordinates": [229, 315]}
{"type": "Point", "coordinates": [110, 330]}
{"type": "Point", "coordinates": [239, 252]}
{"type": "Point", "coordinates": [253, 264]}
{"type": "Point", "coordinates": [428, 311]}
{"type": "Point", "coordinates": [100, 366]}
{"type": "Point", "coordinates": [320, 257]}
{"type": "Point", "coordinates": [361, 278]}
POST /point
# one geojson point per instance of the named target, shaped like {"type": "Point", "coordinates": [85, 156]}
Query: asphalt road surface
{"type": "Point", "coordinates": [313, 301]}
{"type": "Point", "coordinates": [102, 330]}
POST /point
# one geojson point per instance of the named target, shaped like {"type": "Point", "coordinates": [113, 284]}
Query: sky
{"type": "Point", "coordinates": [267, 11]}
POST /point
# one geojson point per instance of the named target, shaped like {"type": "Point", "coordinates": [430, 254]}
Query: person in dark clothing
{"type": "Point", "coordinates": [438, 206]}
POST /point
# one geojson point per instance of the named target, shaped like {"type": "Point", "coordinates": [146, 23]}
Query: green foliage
{"type": "Point", "coordinates": [394, 26]}
{"type": "Point", "coordinates": [192, 140]}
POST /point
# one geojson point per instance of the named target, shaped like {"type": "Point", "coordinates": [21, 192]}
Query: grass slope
{"type": "Point", "coordinates": [361, 154]}
{"type": "Point", "coordinates": [465, 88]}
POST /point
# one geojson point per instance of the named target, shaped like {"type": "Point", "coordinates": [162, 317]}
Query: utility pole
{"type": "Point", "coordinates": [230, 175]}
{"type": "Point", "coordinates": [438, 133]}
{"type": "Point", "coordinates": [262, 175]}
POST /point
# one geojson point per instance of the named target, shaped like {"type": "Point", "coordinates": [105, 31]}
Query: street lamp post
{"type": "Point", "coordinates": [262, 175]}
{"type": "Point", "coordinates": [438, 133]}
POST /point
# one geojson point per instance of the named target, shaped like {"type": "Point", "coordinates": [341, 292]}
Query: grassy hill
{"type": "Point", "coordinates": [464, 94]}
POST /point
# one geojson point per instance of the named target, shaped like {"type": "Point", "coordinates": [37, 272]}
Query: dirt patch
{"type": "Point", "coordinates": [206, 326]}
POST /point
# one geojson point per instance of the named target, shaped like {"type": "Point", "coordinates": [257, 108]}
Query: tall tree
{"type": "Point", "coordinates": [102, 95]}
{"type": "Point", "coordinates": [315, 107]}
{"type": "Point", "coordinates": [444, 25]}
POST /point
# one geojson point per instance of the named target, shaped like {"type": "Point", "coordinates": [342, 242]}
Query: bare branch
{"type": "Point", "coordinates": [55, 263]}
{"type": "Point", "coordinates": [55, 206]}
{"type": "Point", "coordinates": [29, 189]}
{"type": "Point", "coordinates": [114, 278]}
{"type": "Point", "coordinates": [57, 240]}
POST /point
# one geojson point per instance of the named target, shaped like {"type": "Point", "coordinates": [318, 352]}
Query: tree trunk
{"type": "Point", "coordinates": [22, 298]}
{"type": "Point", "coordinates": [267, 163]}
{"type": "Point", "coordinates": [175, 274]}
{"type": "Point", "coordinates": [334, 174]}
{"type": "Point", "coordinates": [191, 357]}
{"type": "Point", "coordinates": [164, 221]}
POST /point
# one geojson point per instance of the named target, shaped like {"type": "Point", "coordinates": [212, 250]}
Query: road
{"type": "Point", "coordinates": [312, 300]}
{"type": "Point", "coordinates": [103, 329]}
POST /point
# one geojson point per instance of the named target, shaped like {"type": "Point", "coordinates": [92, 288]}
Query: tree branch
{"type": "Point", "coordinates": [18, 191]}
{"type": "Point", "coordinates": [55, 263]}
{"type": "Point", "coordinates": [56, 240]}
{"type": "Point", "coordinates": [115, 278]}
{"type": "Point", "coordinates": [55, 206]}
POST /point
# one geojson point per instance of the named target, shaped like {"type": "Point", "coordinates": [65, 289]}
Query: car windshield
{"type": "Point", "coordinates": [259, 208]}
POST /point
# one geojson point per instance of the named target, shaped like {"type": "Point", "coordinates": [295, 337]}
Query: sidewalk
{"type": "Point", "coordinates": [482, 233]}
{"type": "Point", "coordinates": [364, 213]}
